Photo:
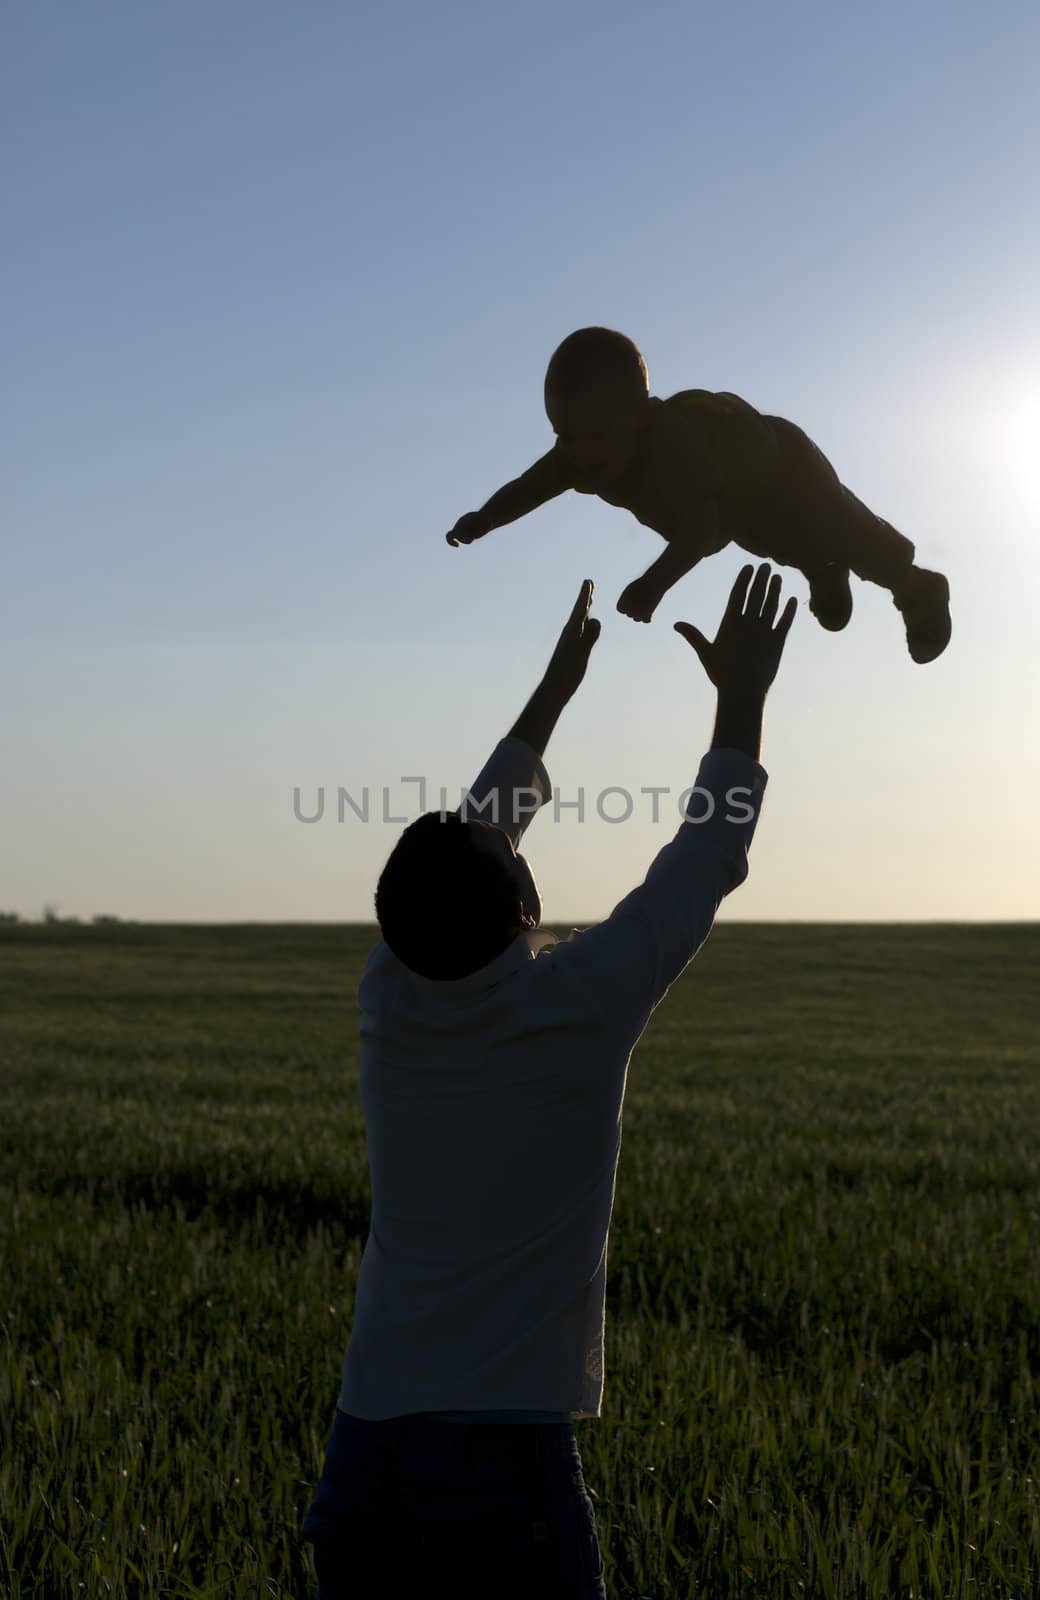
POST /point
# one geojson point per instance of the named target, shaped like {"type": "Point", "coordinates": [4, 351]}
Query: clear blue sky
{"type": "Point", "coordinates": [280, 284]}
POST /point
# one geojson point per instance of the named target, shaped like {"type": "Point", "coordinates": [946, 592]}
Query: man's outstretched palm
{"type": "Point", "coordinates": [746, 650]}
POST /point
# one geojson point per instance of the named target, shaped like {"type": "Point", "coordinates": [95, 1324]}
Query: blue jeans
{"type": "Point", "coordinates": [409, 1507]}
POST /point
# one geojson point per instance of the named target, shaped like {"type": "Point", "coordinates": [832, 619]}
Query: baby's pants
{"type": "Point", "coordinates": [803, 516]}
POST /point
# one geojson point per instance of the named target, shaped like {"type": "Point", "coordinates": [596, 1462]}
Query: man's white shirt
{"type": "Point", "coordinates": [493, 1107]}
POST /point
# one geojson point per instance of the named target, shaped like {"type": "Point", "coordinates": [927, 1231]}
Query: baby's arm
{"type": "Point", "coordinates": [702, 536]}
{"type": "Point", "coordinates": [515, 499]}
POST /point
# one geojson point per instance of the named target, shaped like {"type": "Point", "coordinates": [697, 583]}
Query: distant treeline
{"type": "Point", "coordinates": [50, 914]}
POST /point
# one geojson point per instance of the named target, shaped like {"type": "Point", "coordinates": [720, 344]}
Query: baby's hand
{"type": "Point", "coordinates": [640, 600]}
{"type": "Point", "coordinates": [470, 527]}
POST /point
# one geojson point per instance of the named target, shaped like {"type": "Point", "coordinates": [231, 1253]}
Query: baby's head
{"type": "Point", "coordinates": [596, 393]}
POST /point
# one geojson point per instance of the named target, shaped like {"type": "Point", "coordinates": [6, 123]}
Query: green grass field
{"type": "Point", "coordinates": [823, 1302]}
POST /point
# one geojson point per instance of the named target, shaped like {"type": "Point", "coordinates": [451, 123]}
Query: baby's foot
{"type": "Point", "coordinates": [640, 600]}
{"type": "Point", "coordinates": [830, 598]}
{"type": "Point", "coordinates": [924, 601]}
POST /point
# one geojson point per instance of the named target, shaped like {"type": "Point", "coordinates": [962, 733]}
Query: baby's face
{"type": "Point", "coordinates": [597, 432]}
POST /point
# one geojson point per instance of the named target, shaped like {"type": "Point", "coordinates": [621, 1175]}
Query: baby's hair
{"type": "Point", "coordinates": [599, 357]}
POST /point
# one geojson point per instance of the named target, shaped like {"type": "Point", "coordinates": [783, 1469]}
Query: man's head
{"type": "Point", "coordinates": [596, 391]}
{"type": "Point", "coordinates": [453, 894]}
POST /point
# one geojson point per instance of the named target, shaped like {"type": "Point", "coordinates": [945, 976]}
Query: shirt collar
{"type": "Point", "coordinates": [524, 948]}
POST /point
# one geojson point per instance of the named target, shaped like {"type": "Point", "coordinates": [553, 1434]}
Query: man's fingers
{"type": "Point", "coordinates": [694, 636]}
{"type": "Point", "coordinates": [452, 539]}
{"type": "Point", "coordinates": [758, 590]}
{"type": "Point", "coordinates": [735, 604]}
{"type": "Point", "coordinates": [783, 627]}
{"type": "Point", "coordinates": [591, 632]}
{"type": "Point", "coordinates": [581, 605]}
{"type": "Point", "coordinates": [772, 599]}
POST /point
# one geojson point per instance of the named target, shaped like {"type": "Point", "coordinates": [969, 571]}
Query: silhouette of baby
{"type": "Point", "coordinates": [702, 470]}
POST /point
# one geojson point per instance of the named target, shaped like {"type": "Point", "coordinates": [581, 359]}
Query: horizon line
{"type": "Point", "coordinates": [114, 921]}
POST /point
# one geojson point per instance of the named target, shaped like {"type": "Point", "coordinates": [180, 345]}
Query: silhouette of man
{"type": "Point", "coordinates": [493, 1068]}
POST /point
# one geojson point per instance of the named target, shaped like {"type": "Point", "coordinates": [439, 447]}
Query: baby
{"type": "Point", "coordinates": [703, 469]}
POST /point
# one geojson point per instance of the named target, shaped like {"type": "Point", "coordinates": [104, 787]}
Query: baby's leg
{"type": "Point", "coordinates": [873, 549]}
{"type": "Point", "coordinates": [823, 524]}
{"type": "Point", "coordinates": [885, 557]}
{"type": "Point", "coordinates": [829, 532]}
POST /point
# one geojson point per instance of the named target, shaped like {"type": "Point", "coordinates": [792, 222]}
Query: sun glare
{"type": "Point", "coordinates": [1012, 435]}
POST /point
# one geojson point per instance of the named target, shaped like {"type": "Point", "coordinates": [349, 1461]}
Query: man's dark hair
{"type": "Point", "coordinates": [445, 907]}
{"type": "Point", "coordinates": [601, 357]}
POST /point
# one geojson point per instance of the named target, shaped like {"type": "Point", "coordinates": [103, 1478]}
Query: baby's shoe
{"type": "Point", "coordinates": [924, 601]}
{"type": "Point", "coordinates": [830, 597]}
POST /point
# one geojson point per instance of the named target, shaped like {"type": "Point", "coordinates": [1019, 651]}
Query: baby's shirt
{"type": "Point", "coordinates": [695, 446]}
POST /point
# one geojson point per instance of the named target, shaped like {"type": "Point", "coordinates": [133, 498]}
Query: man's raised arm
{"type": "Point", "coordinates": [628, 962]}
{"type": "Point", "coordinates": [514, 783]}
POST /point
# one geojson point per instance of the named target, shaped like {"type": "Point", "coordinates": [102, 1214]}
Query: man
{"type": "Point", "coordinates": [493, 1069]}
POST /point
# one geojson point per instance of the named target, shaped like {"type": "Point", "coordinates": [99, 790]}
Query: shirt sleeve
{"type": "Point", "coordinates": [511, 787]}
{"type": "Point", "coordinates": [625, 965]}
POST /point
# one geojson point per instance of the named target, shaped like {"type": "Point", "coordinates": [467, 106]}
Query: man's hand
{"type": "Point", "coordinates": [742, 659]}
{"type": "Point", "coordinates": [569, 660]}
{"type": "Point", "coordinates": [745, 653]}
{"type": "Point", "coordinates": [469, 527]}
{"type": "Point", "coordinates": [561, 677]}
